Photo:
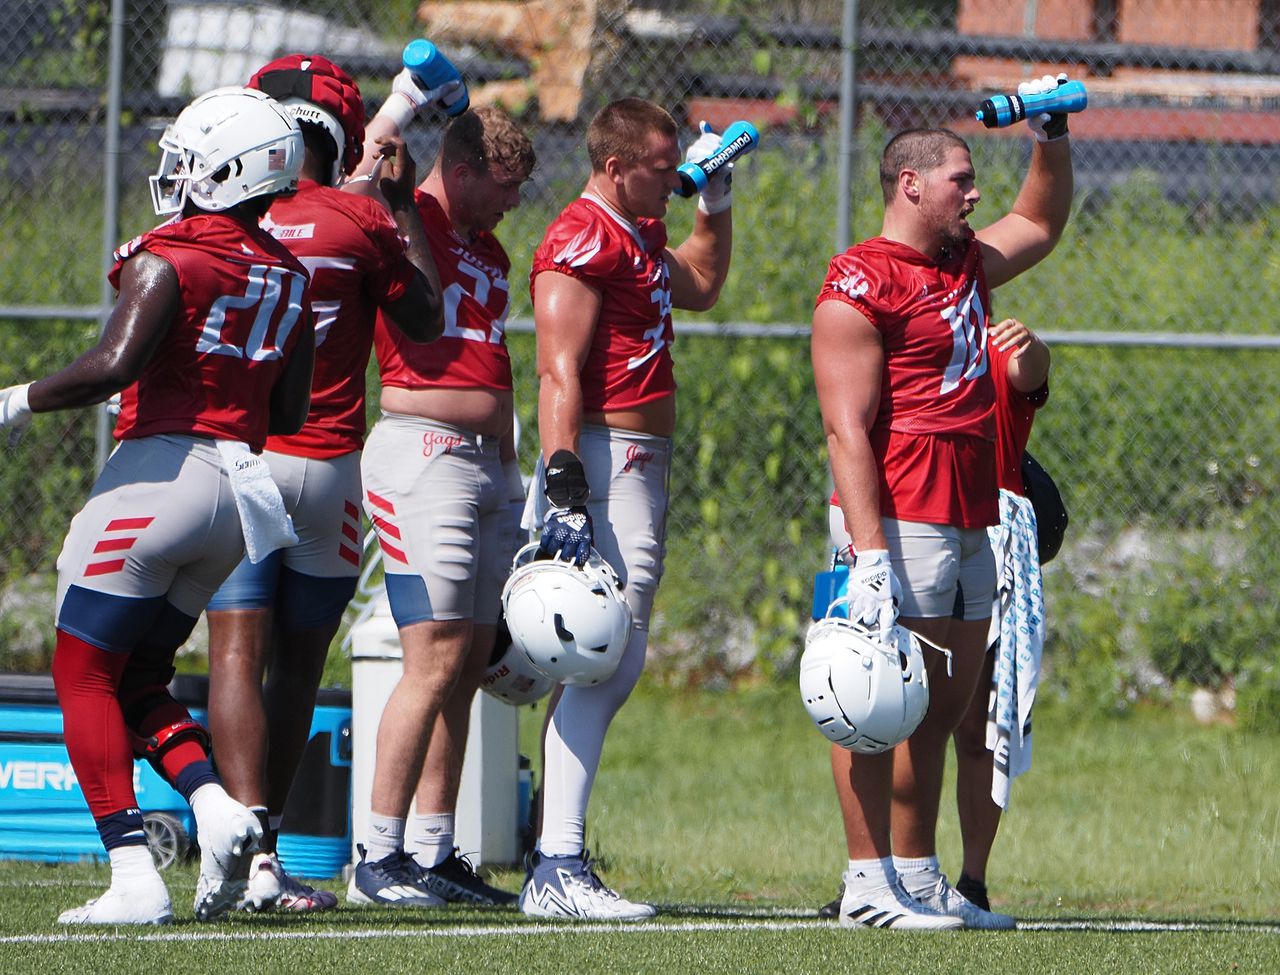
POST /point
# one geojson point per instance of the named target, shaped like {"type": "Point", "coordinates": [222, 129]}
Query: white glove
{"type": "Point", "coordinates": [407, 99]}
{"type": "Point", "coordinates": [1044, 126]}
{"type": "Point", "coordinates": [874, 590]}
{"type": "Point", "coordinates": [14, 411]}
{"type": "Point", "coordinates": [716, 195]}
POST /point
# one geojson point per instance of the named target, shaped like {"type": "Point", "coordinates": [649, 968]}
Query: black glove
{"type": "Point", "coordinates": [566, 533]}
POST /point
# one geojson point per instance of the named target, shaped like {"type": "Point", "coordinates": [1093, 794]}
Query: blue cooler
{"type": "Point", "coordinates": [43, 815]}
{"type": "Point", "coordinates": [316, 841]}
{"type": "Point", "coordinates": [828, 586]}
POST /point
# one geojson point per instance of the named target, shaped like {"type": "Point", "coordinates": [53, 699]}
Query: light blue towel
{"type": "Point", "coordinates": [1019, 613]}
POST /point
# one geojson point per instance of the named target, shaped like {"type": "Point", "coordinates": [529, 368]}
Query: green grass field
{"type": "Point", "coordinates": [1148, 844]}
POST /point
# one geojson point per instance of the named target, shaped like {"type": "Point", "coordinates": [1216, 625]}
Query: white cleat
{"type": "Point", "coordinates": [265, 886]}
{"type": "Point", "coordinates": [888, 906]}
{"type": "Point", "coordinates": [227, 849]}
{"type": "Point", "coordinates": [945, 899]}
{"type": "Point", "coordinates": [567, 887]}
{"type": "Point", "coordinates": [137, 904]}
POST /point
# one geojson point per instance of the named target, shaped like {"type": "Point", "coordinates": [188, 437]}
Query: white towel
{"type": "Point", "coordinates": [263, 520]}
{"type": "Point", "coordinates": [536, 504]}
{"type": "Point", "coordinates": [1019, 615]}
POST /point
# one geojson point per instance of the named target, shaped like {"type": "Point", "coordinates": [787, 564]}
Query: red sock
{"type": "Point", "coordinates": [85, 678]}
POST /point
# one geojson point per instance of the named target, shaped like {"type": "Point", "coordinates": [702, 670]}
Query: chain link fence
{"type": "Point", "coordinates": [1160, 431]}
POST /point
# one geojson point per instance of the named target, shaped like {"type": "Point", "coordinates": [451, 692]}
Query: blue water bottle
{"type": "Point", "coordinates": [738, 139]}
{"type": "Point", "coordinates": [431, 69]}
{"type": "Point", "coordinates": [1001, 110]}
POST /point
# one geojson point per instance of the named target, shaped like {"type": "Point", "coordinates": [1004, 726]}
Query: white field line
{"type": "Point", "coordinates": [534, 929]}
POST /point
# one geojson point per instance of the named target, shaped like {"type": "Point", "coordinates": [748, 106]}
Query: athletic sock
{"type": "Point", "coordinates": [385, 837]}
{"type": "Point", "coordinates": [870, 874]}
{"type": "Point", "coordinates": [97, 741]}
{"type": "Point", "coordinates": [430, 838]}
{"type": "Point", "coordinates": [132, 866]}
{"type": "Point", "coordinates": [919, 874]}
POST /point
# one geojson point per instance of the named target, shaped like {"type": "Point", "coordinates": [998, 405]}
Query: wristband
{"type": "Point", "coordinates": [399, 110]}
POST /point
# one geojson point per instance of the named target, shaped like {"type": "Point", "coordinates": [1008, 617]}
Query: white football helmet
{"type": "Point", "coordinates": [227, 146]}
{"type": "Point", "coordinates": [571, 622]}
{"type": "Point", "coordinates": [863, 693]}
{"type": "Point", "coordinates": [510, 677]}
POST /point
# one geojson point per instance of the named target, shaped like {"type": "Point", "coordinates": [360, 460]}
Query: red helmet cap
{"type": "Point", "coordinates": [317, 81]}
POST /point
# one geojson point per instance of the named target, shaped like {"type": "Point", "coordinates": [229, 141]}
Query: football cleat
{"type": "Point", "coordinates": [263, 888]}
{"type": "Point", "coordinates": [831, 910]}
{"type": "Point", "coordinates": [456, 881]}
{"type": "Point", "coordinates": [889, 906]}
{"type": "Point", "coordinates": [138, 904]}
{"type": "Point", "coordinates": [945, 899]}
{"type": "Point", "coordinates": [567, 886]}
{"type": "Point", "coordinates": [226, 854]}
{"type": "Point", "coordinates": [396, 879]}
{"type": "Point", "coordinates": [300, 897]}
{"type": "Point", "coordinates": [974, 891]}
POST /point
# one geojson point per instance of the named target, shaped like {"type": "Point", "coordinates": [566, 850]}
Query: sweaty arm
{"type": "Point", "coordinates": [848, 356]}
{"type": "Point", "coordinates": [144, 312]}
{"type": "Point", "coordinates": [565, 311]}
{"type": "Point", "coordinates": [419, 312]}
{"type": "Point", "coordinates": [699, 266]}
{"type": "Point", "coordinates": [1026, 234]}
{"type": "Point", "coordinates": [291, 393]}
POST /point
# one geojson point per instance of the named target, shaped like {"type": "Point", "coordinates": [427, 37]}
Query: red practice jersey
{"type": "Point", "coordinates": [1015, 412]}
{"type": "Point", "coordinates": [629, 362]}
{"type": "Point", "coordinates": [357, 262]}
{"type": "Point", "coordinates": [934, 433]}
{"type": "Point", "coordinates": [244, 296]}
{"type": "Point", "coordinates": [472, 351]}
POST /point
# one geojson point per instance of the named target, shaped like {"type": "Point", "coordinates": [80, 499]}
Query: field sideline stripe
{"type": "Point", "coordinates": [534, 929]}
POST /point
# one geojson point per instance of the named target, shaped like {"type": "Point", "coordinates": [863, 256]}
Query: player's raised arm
{"type": "Point", "coordinates": [419, 313]}
{"type": "Point", "coordinates": [1031, 229]}
{"type": "Point", "coordinates": [699, 266]}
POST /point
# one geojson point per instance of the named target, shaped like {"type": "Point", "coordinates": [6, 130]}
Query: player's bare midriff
{"type": "Point", "coordinates": [657, 417]}
{"type": "Point", "coordinates": [483, 411]}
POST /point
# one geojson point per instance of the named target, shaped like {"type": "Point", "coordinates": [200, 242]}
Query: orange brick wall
{"type": "Point", "coordinates": [1057, 20]}
{"type": "Point", "coordinates": [1216, 24]}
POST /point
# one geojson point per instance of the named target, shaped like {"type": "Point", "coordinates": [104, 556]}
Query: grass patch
{"type": "Point", "coordinates": [1145, 843]}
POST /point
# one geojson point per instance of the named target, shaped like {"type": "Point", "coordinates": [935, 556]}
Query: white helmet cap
{"type": "Point", "coordinates": [227, 146]}
{"type": "Point", "coordinates": [511, 677]}
{"type": "Point", "coordinates": [864, 693]}
{"type": "Point", "coordinates": [571, 622]}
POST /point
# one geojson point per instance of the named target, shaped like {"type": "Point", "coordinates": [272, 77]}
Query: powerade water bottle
{"type": "Point", "coordinates": [738, 139]}
{"type": "Point", "coordinates": [1001, 110]}
{"type": "Point", "coordinates": [431, 69]}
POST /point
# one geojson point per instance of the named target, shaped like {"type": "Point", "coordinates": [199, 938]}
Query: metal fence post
{"type": "Point", "coordinates": [110, 202]}
{"type": "Point", "coordinates": [848, 122]}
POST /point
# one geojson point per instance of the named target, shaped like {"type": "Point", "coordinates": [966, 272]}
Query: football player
{"type": "Point", "coordinates": [604, 281]}
{"type": "Point", "coordinates": [443, 490]}
{"type": "Point", "coordinates": [902, 371]}
{"type": "Point", "coordinates": [212, 343]}
{"type": "Point", "coordinates": [281, 613]}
